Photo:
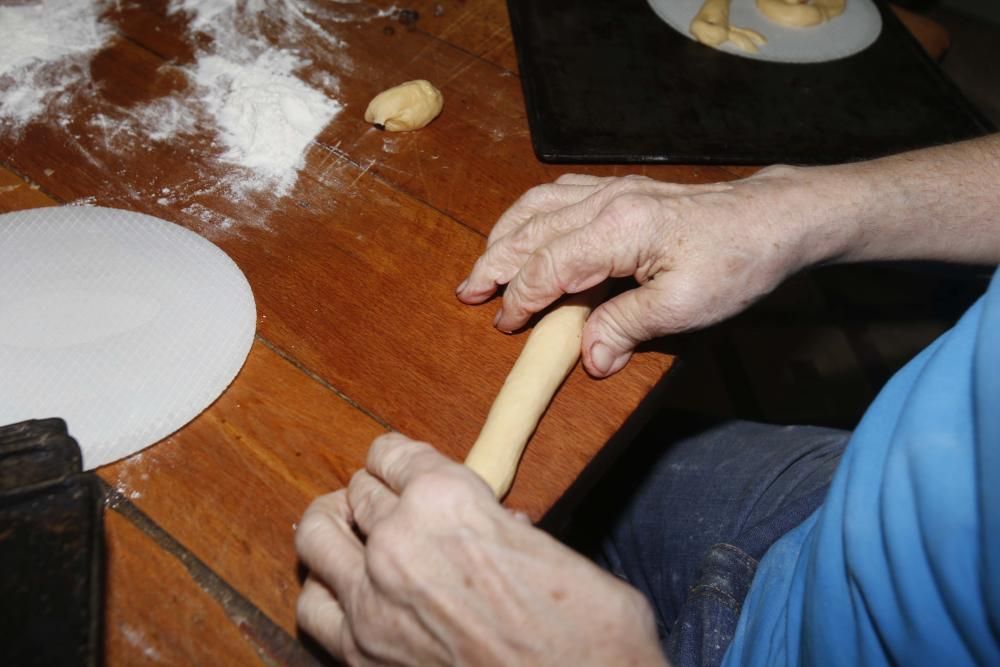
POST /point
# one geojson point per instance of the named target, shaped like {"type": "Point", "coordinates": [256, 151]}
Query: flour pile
{"type": "Point", "coordinates": [44, 56]}
{"type": "Point", "coordinates": [244, 84]}
{"type": "Point", "coordinates": [266, 116]}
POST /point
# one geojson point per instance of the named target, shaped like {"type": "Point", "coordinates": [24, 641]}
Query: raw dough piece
{"type": "Point", "coordinates": [800, 13]}
{"type": "Point", "coordinates": [548, 356]}
{"type": "Point", "coordinates": [710, 26]}
{"type": "Point", "coordinates": [848, 34]}
{"type": "Point", "coordinates": [408, 106]}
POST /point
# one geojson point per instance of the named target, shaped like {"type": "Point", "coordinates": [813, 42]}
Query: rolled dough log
{"type": "Point", "coordinates": [710, 26]}
{"type": "Point", "coordinates": [800, 13]}
{"type": "Point", "coordinates": [549, 354]}
{"type": "Point", "coordinates": [408, 106]}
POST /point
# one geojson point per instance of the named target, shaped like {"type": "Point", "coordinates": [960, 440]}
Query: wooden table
{"type": "Point", "coordinates": [359, 330]}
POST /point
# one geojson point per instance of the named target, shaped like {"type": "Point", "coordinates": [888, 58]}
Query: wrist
{"type": "Point", "coordinates": [831, 210]}
{"type": "Point", "coordinates": [932, 204]}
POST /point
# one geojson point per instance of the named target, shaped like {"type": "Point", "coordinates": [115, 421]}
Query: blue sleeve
{"type": "Point", "coordinates": [900, 565]}
{"type": "Point", "coordinates": [987, 408]}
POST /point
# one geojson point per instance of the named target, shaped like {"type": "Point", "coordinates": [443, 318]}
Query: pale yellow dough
{"type": "Point", "coordinates": [800, 13]}
{"type": "Point", "coordinates": [549, 354]}
{"type": "Point", "coordinates": [710, 26]}
{"type": "Point", "coordinates": [408, 106]}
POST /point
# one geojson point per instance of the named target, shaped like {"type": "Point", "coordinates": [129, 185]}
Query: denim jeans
{"type": "Point", "coordinates": [706, 509]}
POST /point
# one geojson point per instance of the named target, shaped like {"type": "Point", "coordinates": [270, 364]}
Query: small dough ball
{"type": "Point", "coordinates": [801, 13]}
{"type": "Point", "coordinates": [408, 106]}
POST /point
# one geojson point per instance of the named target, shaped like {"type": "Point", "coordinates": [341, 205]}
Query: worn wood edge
{"type": "Point", "coordinates": [21, 189]}
{"type": "Point", "coordinates": [272, 643]}
{"type": "Point", "coordinates": [323, 382]}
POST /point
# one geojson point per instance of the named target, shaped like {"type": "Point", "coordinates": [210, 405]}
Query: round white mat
{"type": "Point", "coordinates": [850, 33]}
{"type": "Point", "coordinates": [124, 325]}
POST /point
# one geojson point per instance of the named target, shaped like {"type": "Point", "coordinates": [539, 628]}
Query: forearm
{"type": "Point", "coordinates": [940, 203]}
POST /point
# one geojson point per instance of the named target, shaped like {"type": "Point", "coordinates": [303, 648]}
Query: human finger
{"type": "Point", "coordinates": [511, 244]}
{"type": "Point", "coordinates": [370, 500]}
{"type": "Point", "coordinates": [327, 544]}
{"type": "Point", "coordinates": [505, 257]}
{"type": "Point", "coordinates": [672, 303]}
{"type": "Point", "coordinates": [570, 189]}
{"type": "Point", "coordinates": [397, 460]}
{"type": "Point", "coordinates": [320, 615]}
{"type": "Point", "coordinates": [614, 245]}
{"type": "Point", "coordinates": [539, 199]}
{"type": "Point", "coordinates": [501, 261]}
{"type": "Point", "coordinates": [617, 326]}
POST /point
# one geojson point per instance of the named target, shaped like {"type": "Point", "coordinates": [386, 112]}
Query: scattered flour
{"type": "Point", "coordinates": [209, 223]}
{"type": "Point", "coordinates": [205, 14]}
{"type": "Point", "coordinates": [123, 484]}
{"type": "Point", "coordinates": [137, 638]}
{"type": "Point", "coordinates": [296, 17]}
{"type": "Point", "coordinates": [44, 54]}
{"type": "Point", "coordinates": [246, 108]}
{"type": "Point", "coordinates": [267, 117]}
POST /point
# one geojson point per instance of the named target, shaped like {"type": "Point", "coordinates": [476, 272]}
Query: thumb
{"type": "Point", "coordinates": [616, 327]}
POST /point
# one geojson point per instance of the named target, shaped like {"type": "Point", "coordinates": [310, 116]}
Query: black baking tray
{"type": "Point", "coordinates": [611, 82]}
{"type": "Point", "coordinates": [51, 565]}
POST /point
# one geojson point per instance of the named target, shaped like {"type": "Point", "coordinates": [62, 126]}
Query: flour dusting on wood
{"type": "Point", "coordinates": [249, 107]}
{"type": "Point", "coordinates": [266, 116]}
{"type": "Point", "coordinates": [44, 57]}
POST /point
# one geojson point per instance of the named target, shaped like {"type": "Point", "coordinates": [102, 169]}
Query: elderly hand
{"type": "Point", "coordinates": [415, 563]}
{"type": "Point", "coordinates": [700, 253]}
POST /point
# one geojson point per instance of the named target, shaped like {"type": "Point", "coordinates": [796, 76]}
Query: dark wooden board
{"type": "Point", "coordinates": [611, 82]}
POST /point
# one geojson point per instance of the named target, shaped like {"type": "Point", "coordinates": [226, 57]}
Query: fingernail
{"type": "Point", "coordinates": [496, 318]}
{"type": "Point", "coordinates": [601, 358]}
{"type": "Point", "coordinates": [462, 286]}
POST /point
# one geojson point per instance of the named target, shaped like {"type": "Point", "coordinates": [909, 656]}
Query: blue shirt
{"type": "Point", "coordinates": [901, 564]}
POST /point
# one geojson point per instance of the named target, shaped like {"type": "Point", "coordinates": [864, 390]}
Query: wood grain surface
{"type": "Point", "coordinates": [353, 272]}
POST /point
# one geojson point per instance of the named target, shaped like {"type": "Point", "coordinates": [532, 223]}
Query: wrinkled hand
{"type": "Point", "coordinates": [448, 576]}
{"type": "Point", "coordinates": [700, 253]}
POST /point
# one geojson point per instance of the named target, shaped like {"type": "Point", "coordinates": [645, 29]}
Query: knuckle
{"type": "Point", "coordinates": [362, 502]}
{"type": "Point", "coordinates": [314, 613]}
{"type": "Point", "coordinates": [306, 611]}
{"type": "Point", "coordinates": [388, 442]}
{"type": "Point", "coordinates": [504, 254]}
{"type": "Point", "coordinates": [776, 170]}
{"type": "Point", "coordinates": [630, 207]}
{"type": "Point", "coordinates": [366, 639]}
{"type": "Point", "coordinates": [482, 268]}
{"type": "Point", "coordinates": [368, 625]}
{"type": "Point", "coordinates": [440, 488]}
{"type": "Point", "coordinates": [523, 240]}
{"type": "Point", "coordinates": [394, 452]}
{"type": "Point", "coordinates": [498, 261]}
{"type": "Point", "coordinates": [381, 542]}
{"type": "Point", "coordinates": [385, 555]}
{"type": "Point", "coordinates": [620, 187]}
{"type": "Point", "coordinates": [537, 196]}
{"type": "Point", "coordinates": [539, 275]}
{"type": "Point", "coordinates": [309, 534]}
